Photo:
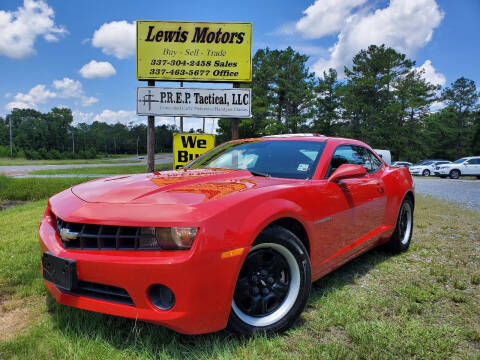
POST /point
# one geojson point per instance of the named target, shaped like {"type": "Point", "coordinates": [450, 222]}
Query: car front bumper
{"type": "Point", "coordinates": [441, 172]}
{"type": "Point", "coordinates": [202, 281]}
{"type": "Point", "coordinates": [415, 172]}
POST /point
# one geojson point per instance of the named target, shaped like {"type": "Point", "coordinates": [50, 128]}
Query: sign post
{"type": "Point", "coordinates": [151, 138]}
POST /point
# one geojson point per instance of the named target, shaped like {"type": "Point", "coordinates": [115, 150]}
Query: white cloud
{"type": "Point", "coordinates": [116, 38]}
{"type": "Point", "coordinates": [405, 25]}
{"type": "Point", "coordinates": [39, 94]}
{"type": "Point", "coordinates": [113, 117]}
{"type": "Point", "coordinates": [19, 29]}
{"type": "Point", "coordinates": [69, 88]}
{"type": "Point", "coordinates": [430, 74]}
{"type": "Point", "coordinates": [326, 17]}
{"type": "Point", "coordinates": [97, 69]}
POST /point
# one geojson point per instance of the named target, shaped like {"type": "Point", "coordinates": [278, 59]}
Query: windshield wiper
{"type": "Point", "coordinates": [256, 173]}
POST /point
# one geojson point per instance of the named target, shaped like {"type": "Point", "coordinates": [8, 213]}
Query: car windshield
{"type": "Point", "coordinates": [459, 161]}
{"type": "Point", "coordinates": [425, 163]}
{"type": "Point", "coordinates": [278, 158]}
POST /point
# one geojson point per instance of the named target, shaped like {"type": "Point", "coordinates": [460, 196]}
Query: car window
{"type": "Point", "coordinates": [459, 161]}
{"type": "Point", "coordinates": [352, 154]}
{"type": "Point", "coordinates": [473, 161]}
{"type": "Point", "coordinates": [287, 159]}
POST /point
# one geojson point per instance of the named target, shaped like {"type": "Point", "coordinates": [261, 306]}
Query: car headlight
{"type": "Point", "coordinates": [167, 238]}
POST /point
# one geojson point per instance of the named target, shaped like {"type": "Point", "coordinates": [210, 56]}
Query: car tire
{"type": "Point", "coordinates": [454, 174]}
{"type": "Point", "coordinates": [273, 285]}
{"type": "Point", "coordinates": [400, 240]}
{"type": "Point", "coordinates": [426, 172]}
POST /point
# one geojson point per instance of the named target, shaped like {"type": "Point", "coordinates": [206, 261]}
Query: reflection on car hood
{"type": "Point", "coordinates": [172, 187]}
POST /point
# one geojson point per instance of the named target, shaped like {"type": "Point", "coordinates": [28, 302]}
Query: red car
{"type": "Point", "coordinates": [233, 240]}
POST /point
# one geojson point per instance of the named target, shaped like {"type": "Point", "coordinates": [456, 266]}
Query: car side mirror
{"type": "Point", "coordinates": [347, 171]}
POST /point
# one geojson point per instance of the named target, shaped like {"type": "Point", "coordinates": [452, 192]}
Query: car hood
{"type": "Point", "coordinates": [172, 187]}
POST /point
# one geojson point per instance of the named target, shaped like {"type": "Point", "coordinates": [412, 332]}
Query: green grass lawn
{"type": "Point", "coordinates": [131, 169]}
{"type": "Point", "coordinates": [421, 304]}
{"type": "Point", "coordinates": [27, 189]}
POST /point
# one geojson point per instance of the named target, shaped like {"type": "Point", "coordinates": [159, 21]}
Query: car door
{"type": "Point", "coordinates": [472, 167]}
{"type": "Point", "coordinates": [360, 201]}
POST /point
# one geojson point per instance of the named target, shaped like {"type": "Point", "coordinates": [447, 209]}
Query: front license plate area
{"type": "Point", "coordinates": [59, 271]}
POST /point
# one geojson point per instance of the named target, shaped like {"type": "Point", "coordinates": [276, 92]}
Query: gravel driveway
{"type": "Point", "coordinates": [464, 192]}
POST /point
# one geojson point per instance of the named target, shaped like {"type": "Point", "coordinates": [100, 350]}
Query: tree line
{"type": "Point", "coordinates": [383, 100]}
{"type": "Point", "coordinates": [51, 135]}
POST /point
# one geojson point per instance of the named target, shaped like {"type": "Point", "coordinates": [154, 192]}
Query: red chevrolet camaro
{"type": "Point", "coordinates": [234, 239]}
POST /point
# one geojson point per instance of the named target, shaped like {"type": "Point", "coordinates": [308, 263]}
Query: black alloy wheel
{"type": "Point", "coordinates": [273, 284]}
{"type": "Point", "coordinates": [263, 282]}
{"type": "Point", "coordinates": [401, 238]}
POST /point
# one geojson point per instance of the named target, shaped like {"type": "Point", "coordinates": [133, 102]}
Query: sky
{"type": "Point", "coordinates": [81, 54]}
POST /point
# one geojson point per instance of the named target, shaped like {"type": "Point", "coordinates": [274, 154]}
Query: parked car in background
{"type": "Point", "coordinates": [234, 239]}
{"type": "Point", "coordinates": [467, 166]}
{"type": "Point", "coordinates": [402, 164]}
{"type": "Point", "coordinates": [385, 155]}
{"type": "Point", "coordinates": [427, 167]}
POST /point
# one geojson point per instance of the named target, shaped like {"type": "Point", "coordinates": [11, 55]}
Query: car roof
{"type": "Point", "coordinates": [310, 137]}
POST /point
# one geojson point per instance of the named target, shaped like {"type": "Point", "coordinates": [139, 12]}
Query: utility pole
{"type": "Point", "coordinates": [151, 138]}
{"type": "Point", "coordinates": [11, 140]}
{"type": "Point", "coordinates": [137, 146]}
{"type": "Point", "coordinates": [73, 142]}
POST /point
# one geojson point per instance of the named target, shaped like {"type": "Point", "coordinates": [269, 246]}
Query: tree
{"type": "Point", "coordinates": [385, 99]}
{"type": "Point", "coordinates": [463, 97]}
{"type": "Point", "coordinates": [282, 95]}
{"type": "Point", "coordinates": [328, 104]}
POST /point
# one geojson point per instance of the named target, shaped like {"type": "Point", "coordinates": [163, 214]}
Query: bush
{"type": "Point", "coordinates": [21, 154]}
{"type": "Point", "coordinates": [32, 155]}
{"type": "Point", "coordinates": [4, 151]}
{"type": "Point", "coordinates": [54, 154]}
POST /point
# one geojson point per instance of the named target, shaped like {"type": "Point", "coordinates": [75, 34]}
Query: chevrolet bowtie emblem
{"type": "Point", "coordinates": [68, 235]}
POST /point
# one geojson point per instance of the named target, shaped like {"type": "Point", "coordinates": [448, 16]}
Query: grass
{"type": "Point", "coordinates": [112, 170]}
{"type": "Point", "coordinates": [421, 304]}
{"type": "Point", "coordinates": [29, 189]}
{"type": "Point", "coordinates": [23, 161]}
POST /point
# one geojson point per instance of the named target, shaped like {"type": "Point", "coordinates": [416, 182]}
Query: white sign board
{"type": "Point", "coordinates": [190, 102]}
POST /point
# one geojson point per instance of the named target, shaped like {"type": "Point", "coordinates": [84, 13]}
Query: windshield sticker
{"type": "Point", "coordinates": [302, 167]}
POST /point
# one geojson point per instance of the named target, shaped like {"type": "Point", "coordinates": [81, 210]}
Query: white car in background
{"type": "Point", "coordinates": [402, 164]}
{"type": "Point", "coordinates": [467, 166]}
{"type": "Point", "coordinates": [426, 168]}
{"type": "Point", "coordinates": [385, 155]}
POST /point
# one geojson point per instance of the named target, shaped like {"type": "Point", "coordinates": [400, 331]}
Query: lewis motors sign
{"type": "Point", "coordinates": [225, 103]}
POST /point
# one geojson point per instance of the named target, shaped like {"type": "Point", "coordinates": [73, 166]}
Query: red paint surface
{"type": "Point", "coordinates": [230, 207]}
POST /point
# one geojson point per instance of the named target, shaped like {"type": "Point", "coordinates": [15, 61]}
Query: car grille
{"type": "Point", "coordinates": [101, 292]}
{"type": "Point", "coordinates": [103, 237]}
